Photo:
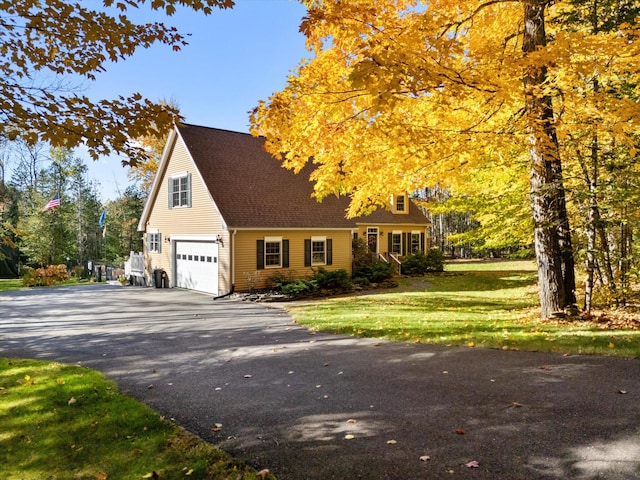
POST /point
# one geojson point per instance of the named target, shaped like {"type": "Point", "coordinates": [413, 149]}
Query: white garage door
{"type": "Point", "coordinates": [197, 266]}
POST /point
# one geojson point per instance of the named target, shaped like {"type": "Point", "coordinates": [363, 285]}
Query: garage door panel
{"type": "Point", "coordinates": [197, 266]}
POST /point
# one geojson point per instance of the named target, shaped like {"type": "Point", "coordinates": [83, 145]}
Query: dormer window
{"type": "Point", "coordinates": [399, 204]}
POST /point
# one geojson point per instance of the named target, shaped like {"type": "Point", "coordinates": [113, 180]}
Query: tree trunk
{"type": "Point", "coordinates": [552, 235]}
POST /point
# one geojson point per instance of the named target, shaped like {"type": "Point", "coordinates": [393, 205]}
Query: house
{"type": "Point", "coordinates": [223, 214]}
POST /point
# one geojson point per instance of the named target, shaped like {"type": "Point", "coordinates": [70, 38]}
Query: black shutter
{"type": "Point", "coordinates": [329, 251]}
{"type": "Point", "coordinates": [260, 254]}
{"type": "Point", "coordinates": [307, 252]}
{"type": "Point", "coordinates": [390, 242]}
{"type": "Point", "coordinates": [422, 242]}
{"type": "Point", "coordinates": [404, 243]}
{"type": "Point", "coordinates": [285, 253]}
{"type": "Point", "coordinates": [189, 190]}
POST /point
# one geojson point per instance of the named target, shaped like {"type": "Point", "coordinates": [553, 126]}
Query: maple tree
{"type": "Point", "coordinates": [47, 45]}
{"type": "Point", "coordinates": [400, 94]}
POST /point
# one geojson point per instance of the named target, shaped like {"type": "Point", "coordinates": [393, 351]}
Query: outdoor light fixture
{"type": "Point", "coordinates": [219, 240]}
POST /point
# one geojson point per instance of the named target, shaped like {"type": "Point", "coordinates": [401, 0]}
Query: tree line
{"type": "Point", "coordinates": [80, 230]}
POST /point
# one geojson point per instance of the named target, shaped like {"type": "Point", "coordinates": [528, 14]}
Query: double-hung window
{"type": "Point", "coordinates": [415, 242]}
{"type": "Point", "coordinates": [318, 250]}
{"type": "Point", "coordinates": [273, 252]}
{"type": "Point", "coordinates": [400, 203]}
{"type": "Point", "coordinates": [396, 243]}
{"type": "Point", "coordinates": [180, 190]}
{"type": "Point", "coordinates": [154, 242]}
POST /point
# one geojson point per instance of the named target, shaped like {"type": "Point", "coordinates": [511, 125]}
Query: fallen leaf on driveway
{"type": "Point", "coordinates": [391, 442]}
{"type": "Point", "coordinates": [247, 376]}
{"type": "Point", "coordinates": [263, 473]}
{"type": "Point", "coordinates": [425, 458]}
{"type": "Point", "coordinates": [623, 392]}
{"type": "Point", "coordinates": [349, 437]}
{"type": "Point", "coordinates": [460, 431]}
{"type": "Point", "coordinates": [352, 420]}
{"type": "Point", "coordinates": [516, 405]}
{"type": "Point", "coordinates": [217, 427]}
{"type": "Point", "coordinates": [472, 464]}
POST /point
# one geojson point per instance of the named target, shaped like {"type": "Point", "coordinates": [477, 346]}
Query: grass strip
{"type": "Point", "coordinates": [481, 304]}
{"type": "Point", "coordinates": [68, 422]}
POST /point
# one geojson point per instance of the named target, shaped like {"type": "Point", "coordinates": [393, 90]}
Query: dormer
{"type": "Point", "coordinates": [400, 204]}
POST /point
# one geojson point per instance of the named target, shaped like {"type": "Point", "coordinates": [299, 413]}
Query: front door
{"type": "Point", "coordinates": [372, 239]}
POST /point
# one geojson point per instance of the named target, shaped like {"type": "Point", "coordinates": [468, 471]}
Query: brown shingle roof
{"type": "Point", "coordinates": [253, 190]}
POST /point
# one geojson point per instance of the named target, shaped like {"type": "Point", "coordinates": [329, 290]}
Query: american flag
{"type": "Point", "coordinates": [53, 203]}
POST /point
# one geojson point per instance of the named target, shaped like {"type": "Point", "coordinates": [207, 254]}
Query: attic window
{"type": "Point", "coordinates": [401, 203]}
{"type": "Point", "coordinates": [180, 190]}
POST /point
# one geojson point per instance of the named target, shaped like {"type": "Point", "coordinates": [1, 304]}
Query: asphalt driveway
{"type": "Point", "coordinates": [319, 406]}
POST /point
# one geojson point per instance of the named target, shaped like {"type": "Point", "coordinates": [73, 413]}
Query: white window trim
{"type": "Point", "coordinates": [273, 240]}
{"type": "Point", "coordinates": [154, 232]}
{"type": "Point", "coordinates": [393, 233]}
{"type": "Point", "coordinates": [324, 252]}
{"type": "Point", "coordinates": [178, 176]}
{"type": "Point", "coordinates": [418, 233]}
{"type": "Point", "coordinates": [395, 203]}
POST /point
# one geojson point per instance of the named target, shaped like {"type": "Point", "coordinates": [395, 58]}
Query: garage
{"type": "Point", "coordinates": [197, 266]}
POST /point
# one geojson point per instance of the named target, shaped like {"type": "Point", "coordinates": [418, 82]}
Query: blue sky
{"type": "Point", "coordinates": [234, 58]}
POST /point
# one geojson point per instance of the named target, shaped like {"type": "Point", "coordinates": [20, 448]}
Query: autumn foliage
{"type": "Point", "coordinates": [51, 47]}
{"type": "Point", "coordinates": [404, 94]}
{"type": "Point", "coordinates": [45, 276]}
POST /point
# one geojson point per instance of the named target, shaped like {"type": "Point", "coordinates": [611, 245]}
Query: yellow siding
{"type": "Point", "coordinates": [201, 218]}
{"type": "Point", "coordinates": [383, 239]}
{"type": "Point", "coordinates": [248, 276]}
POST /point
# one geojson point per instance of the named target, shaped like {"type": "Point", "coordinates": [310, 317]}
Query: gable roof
{"type": "Point", "coordinates": [251, 189]}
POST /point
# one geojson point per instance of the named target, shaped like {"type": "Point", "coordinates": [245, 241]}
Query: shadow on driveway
{"type": "Point", "coordinates": [320, 406]}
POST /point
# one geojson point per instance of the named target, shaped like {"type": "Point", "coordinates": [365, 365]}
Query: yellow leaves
{"type": "Point", "coordinates": [399, 97]}
{"type": "Point", "coordinates": [73, 38]}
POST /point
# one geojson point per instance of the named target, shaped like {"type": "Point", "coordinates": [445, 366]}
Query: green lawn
{"type": "Point", "coordinates": [68, 422]}
{"type": "Point", "coordinates": [8, 284]}
{"type": "Point", "coordinates": [477, 304]}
